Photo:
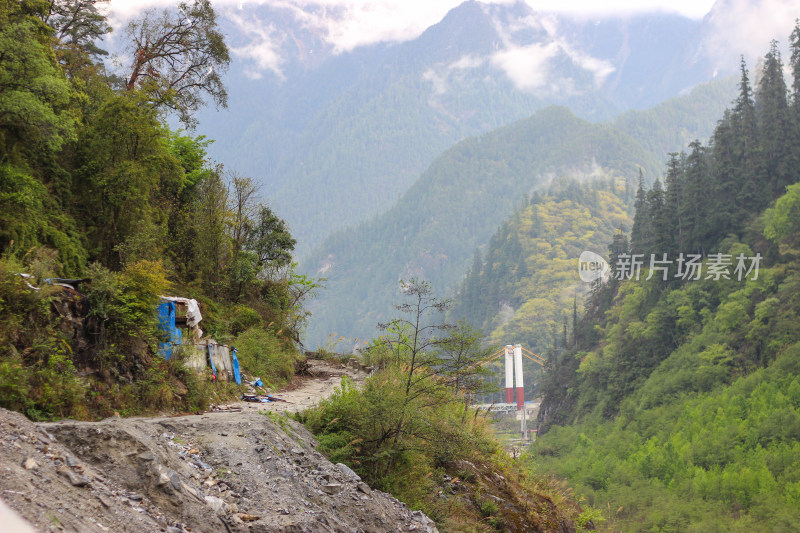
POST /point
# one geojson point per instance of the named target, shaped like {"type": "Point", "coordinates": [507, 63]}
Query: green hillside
{"type": "Point", "coordinates": [97, 191]}
{"type": "Point", "coordinates": [524, 287]}
{"type": "Point", "coordinates": [454, 207]}
{"type": "Point", "coordinates": [462, 198]}
{"type": "Point", "coordinates": [671, 125]}
{"type": "Point", "coordinates": [676, 406]}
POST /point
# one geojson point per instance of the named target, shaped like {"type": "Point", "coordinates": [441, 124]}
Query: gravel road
{"type": "Point", "coordinates": [251, 470]}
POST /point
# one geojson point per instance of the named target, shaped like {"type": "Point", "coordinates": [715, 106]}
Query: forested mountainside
{"type": "Point", "coordinates": [338, 137]}
{"type": "Point", "coordinates": [673, 124]}
{"type": "Point", "coordinates": [464, 196]}
{"type": "Point", "coordinates": [676, 405]}
{"type": "Point", "coordinates": [455, 207]}
{"type": "Point", "coordinates": [96, 190]}
{"type": "Point", "coordinates": [523, 289]}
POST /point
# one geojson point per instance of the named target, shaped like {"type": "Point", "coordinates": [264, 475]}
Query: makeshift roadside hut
{"type": "Point", "coordinates": [179, 319]}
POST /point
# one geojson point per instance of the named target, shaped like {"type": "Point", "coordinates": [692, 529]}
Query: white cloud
{"type": "Point", "coordinates": [599, 68]}
{"type": "Point", "coordinates": [262, 48]}
{"type": "Point", "coordinates": [437, 79]}
{"type": "Point", "coordinates": [590, 8]}
{"type": "Point", "coordinates": [351, 23]}
{"type": "Point", "coordinates": [466, 62]}
{"type": "Point", "coordinates": [347, 24]}
{"type": "Point", "coordinates": [527, 66]}
{"type": "Point", "coordinates": [443, 75]}
{"type": "Point", "coordinates": [363, 22]}
{"type": "Point", "coordinates": [743, 27]}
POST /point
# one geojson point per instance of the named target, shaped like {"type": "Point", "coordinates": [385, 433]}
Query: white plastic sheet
{"type": "Point", "coordinates": [193, 316]}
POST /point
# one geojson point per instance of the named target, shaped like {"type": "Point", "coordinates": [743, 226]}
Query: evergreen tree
{"type": "Point", "coordinates": [773, 126]}
{"type": "Point", "coordinates": [673, 203]}
{"type": "Point", "coordinates": [794, 46]}
{"type": "Point", "coordinates": [575, 319]}
{"type": "Point", "coordinates": [627, 196]}
{"type": "Point", "coordinates": [661, 230]}
{"type": "Point", "coordinates": [470, 304]}
{"type": "Point", "coordinates": [536, 222]}
{"type": "Point", "coordinates": [696, 206]}
{"type": "Point", "coordinates": [641, 231]}
{"type": "Point", "coordinates": [726, 214]}
{"type": "Point", "coordinates": [745, 149]}
{"type": "Point", "coordinates": [618, 246]}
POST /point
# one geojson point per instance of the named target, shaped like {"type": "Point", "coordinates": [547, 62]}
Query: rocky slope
{"type": "Point", "coordinates": [250, 470]}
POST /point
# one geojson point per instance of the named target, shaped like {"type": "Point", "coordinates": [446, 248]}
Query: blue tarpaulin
{"type": "Point", "coordinates": [166, 323]}
{"type": "Point", "coordinates": [236, 375]}
{"type": "Point", "coordinates": [211, 361]}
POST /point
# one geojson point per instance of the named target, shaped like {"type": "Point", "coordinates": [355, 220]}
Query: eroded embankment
{"type": "Point", "coordinates": [246, 471]}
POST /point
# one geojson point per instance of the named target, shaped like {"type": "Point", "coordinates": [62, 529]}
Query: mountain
{"type": "Point", "coordinates": [454, 207]}
{"type": "Point", "coordinates": [337, 136]}
{"type": "Point", "coordinates": [464, 196]}
{"type": "Point", "coordinates": [524, 286]}
{"type": "Point", "coordinates": [674, 123]}
{"type": "Point", "coordinates": [677, 399]}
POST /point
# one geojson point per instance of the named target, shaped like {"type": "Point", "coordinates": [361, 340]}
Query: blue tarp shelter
{"type": "Point", "coordinates": [166, 323]}
{"type": "Point", "coordinates": [236, 375]}
{"type": "Point", "coordinates": [198, 352]}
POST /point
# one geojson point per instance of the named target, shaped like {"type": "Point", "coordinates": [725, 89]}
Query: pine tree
{"type": "Point", "coordinates": [627, 197]}
{"type": "Point", "coordinates": [640, 233]}
{"type": "Point", "coordinates": [468, 303]}
{"type": "Point", "coordinates": [726, 214]}
{"type": "Point", "coordinates": [575, 319]}
{"type": "Point", "coordinates": [661, 231]}
{"type": "Point", "coordinates": [618, 246]}
{"type": "Point", "coordinates": [773, 127]}
{"type": "Point", "coordinates": [794, 46]}
{"type": "Point", "coordinates": [696, 190]}
{"type": "Point", "coordinates": [750, 193]}
{"type": "Point", "coordinates": [673, 203]}
{"type": "Point", "coordinates": [537, 228]}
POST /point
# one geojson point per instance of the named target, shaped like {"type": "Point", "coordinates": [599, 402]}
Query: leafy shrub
{"type": "Point", "coordinates": [244, 318]}
{"type": "Point", "coordinates": [263, 355]}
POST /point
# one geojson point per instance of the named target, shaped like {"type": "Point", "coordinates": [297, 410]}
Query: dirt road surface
{"type": "Point", "coordinates": [307, 391]}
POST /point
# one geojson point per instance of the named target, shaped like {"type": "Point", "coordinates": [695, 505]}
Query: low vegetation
{"type": "Point", "coordinates": [409, 429]}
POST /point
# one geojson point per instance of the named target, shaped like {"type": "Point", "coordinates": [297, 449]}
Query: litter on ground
{"type": "Point", "coordinates": [261, 399]}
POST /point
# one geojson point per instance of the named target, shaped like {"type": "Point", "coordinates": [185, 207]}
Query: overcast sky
{"type": "Point", "coordinates": [376, 20]}
{"type": "Point", "coordinates": [742, 27]}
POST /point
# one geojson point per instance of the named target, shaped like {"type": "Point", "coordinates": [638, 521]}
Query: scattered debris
{"type": "Point", "coordinates": [225, 408]}
{"type": "Point", "coordinates": [262, 399]}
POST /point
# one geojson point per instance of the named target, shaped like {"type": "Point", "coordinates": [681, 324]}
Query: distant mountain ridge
{"type": "Point", "coordinates": [455, 206]}
{"type": "Point", "coordinates": [467, 192]}
{"type": "Point", "coordinates": [336, 138]}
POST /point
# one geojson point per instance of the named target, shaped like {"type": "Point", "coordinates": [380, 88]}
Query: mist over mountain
{"type": "Point", "coordinates": [472, 188]}
{"type": "Point", "coordinates": [336, 136]}
{"type": "Point", "coordinates": [338, 131]}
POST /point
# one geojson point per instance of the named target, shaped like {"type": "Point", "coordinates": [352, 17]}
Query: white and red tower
{"type": "Point", "coordinates": [509, 373]}
{"type": "Point", "coordinates": [518, 375]}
